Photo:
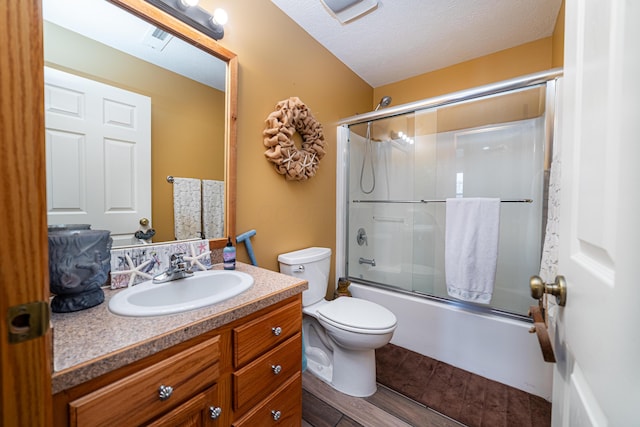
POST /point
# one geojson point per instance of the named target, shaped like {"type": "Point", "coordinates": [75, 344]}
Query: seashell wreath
{"type": "Point", "coordinates": [289, 117]}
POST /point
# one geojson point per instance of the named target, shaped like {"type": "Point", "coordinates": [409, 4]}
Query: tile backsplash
{"type": "Point", "coordinates": [132, 265]}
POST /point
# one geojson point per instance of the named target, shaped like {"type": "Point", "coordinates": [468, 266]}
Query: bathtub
{"type": "Point", "coordinates": [494, 347]}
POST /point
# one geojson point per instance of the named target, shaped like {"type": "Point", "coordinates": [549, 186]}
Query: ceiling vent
{"type": "Point", "coordinates": [156, 38]}
{"type": "Point", "coordinates": [348, 10]}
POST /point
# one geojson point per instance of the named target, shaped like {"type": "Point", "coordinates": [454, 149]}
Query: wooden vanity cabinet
{"type": "Point", "coordinates": [246, 373]}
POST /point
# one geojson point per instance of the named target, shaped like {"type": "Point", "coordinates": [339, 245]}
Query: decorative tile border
{"type": "Point", "coordinates": [136, 264]}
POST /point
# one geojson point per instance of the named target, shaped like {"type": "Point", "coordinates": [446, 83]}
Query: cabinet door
{"type": "Point", "coordinates": [202, 410]}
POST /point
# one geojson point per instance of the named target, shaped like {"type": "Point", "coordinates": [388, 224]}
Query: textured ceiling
{"type": "Point", "coordinates": [405, 38]}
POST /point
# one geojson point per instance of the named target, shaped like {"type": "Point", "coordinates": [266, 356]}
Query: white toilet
{"type": "Point", "coordinates": [340, 336]}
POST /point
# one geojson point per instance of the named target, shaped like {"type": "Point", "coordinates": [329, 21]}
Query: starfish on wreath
{"type": "Point", "coordinates": [289, 159]}
{"type": "Point", "coordinates": [311, 162]}
{"type": "Point", "coordinates": [195, 259]}
{"type": "Point", "coordinates": [133, 270]}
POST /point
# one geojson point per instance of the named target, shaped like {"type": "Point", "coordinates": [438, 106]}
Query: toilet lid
{"type": "Point", "coordinates": [357, 313]}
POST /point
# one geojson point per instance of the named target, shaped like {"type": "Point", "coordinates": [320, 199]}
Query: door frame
{"type": "Point", "coordinates": [25, 394]}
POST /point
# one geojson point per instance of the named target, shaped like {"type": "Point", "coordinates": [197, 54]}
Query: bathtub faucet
{"type": "Point", "coordinates": [371, 262]}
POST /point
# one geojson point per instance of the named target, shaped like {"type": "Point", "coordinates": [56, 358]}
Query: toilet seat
{"type": "Point", "coordinates": [357, 315]}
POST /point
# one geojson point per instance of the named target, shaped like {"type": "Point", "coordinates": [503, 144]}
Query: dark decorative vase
{"type": "Point", "coordinates": [79, 264]}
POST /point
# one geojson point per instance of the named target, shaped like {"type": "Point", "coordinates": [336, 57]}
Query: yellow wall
{"type": "Point", "coordinates": [518, 61]}
{"type": "Point", "coordinates": [187, 118]}
{"type": "Point", "coordinates": [277, 60]}
{"type": "Point", "coordinates": [558, 39]}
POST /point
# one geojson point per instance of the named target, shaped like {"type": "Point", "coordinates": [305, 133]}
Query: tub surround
{"type": "Point", "coordinates": [492, 347]}
{"type": "Point", "coordinates": [93, 342]}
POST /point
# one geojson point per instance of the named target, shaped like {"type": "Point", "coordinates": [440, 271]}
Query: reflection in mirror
{"type": "Point", "coordinates": [127, 104]}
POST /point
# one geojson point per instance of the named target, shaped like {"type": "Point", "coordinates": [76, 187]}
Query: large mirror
{"type": "Point", "coordinates": [160, 81]}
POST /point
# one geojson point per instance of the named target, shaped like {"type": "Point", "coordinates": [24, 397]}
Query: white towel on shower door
{"type": "Point", "coordinates": [471, 247]}
{"type": "Point", "coordinates": [187, 208]}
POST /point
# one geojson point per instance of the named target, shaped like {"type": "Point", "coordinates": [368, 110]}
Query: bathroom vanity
{"type": "Point", "coordinates": [235, 363]}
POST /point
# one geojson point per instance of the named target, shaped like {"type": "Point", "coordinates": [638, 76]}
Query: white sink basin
{"type": "Point", "coordinates": [200, 290]}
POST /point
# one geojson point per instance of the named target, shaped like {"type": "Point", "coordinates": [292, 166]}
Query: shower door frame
{"type": "Point", "coordinates": [547, 78]}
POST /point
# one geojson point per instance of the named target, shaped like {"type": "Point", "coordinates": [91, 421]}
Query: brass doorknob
{"type": "Point", "coordinates": [558, 288]}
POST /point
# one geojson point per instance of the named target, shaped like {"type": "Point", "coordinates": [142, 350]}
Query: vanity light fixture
{"type": "Point", "coordinates": [348, 10]}
{"type": "Point", "coordinates": [190, 13]}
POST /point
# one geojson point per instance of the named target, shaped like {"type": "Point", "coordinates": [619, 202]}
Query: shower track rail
{"type": "Point", "coordinates": [455, 97]}
{"type": "Point", "coordinates": [433, 201]}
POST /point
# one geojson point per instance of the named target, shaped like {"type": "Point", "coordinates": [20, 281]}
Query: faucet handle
{"type": "Point", "coordinates": [178, 263]}
{"type": "Point", "coordinates": [176, 258]}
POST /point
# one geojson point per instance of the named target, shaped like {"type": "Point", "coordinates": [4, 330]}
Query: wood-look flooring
{"type": "Point", "coordinates": [322, 406]}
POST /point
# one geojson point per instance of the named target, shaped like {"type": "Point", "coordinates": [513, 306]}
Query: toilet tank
{"type": "Point", "coordinates": [312, 265]}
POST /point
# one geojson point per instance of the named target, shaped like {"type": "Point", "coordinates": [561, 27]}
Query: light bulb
{"type": "Point", "coordinates": [220, 16]}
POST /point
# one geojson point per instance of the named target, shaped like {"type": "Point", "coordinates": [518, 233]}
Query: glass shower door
{"type": "Point", "coordinates": [403, 168]}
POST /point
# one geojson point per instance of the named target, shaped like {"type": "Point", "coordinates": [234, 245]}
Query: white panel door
{"type": "Point", "coordinates": [98, 144]}
{"type": "Point", "coordinates": [597, 343]}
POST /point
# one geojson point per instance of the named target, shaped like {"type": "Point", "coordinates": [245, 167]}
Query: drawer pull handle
{"type": "Point", "coordinates": [276, 331]}
{"type": "Point", "coordinates": [164, 392]}
{"type": "Point", "coordinates": [214, 412]}
{"type": "Point", "coordinates": [276, 415]}
{"type": "Point", "coordinates": [276, 369]}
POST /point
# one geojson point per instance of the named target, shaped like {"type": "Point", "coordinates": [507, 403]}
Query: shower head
{"type": "Point", "coordinates": [384, 102]}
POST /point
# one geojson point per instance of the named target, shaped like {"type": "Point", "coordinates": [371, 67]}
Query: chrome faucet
{"type": "Point", "coordinates": [177, 270]}
{"type": "Point", "coordinates": [371, 262]}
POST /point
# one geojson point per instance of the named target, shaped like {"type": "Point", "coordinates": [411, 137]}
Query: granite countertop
{"type": "Point", "coordinates": [92, 342]}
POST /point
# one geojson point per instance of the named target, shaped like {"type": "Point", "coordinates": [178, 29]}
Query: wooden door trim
{"type": "Point", "coordinates": [25, 393]}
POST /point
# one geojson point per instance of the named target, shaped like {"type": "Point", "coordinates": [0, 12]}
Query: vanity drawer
{"type": "Point", "coordinates": [285, 405]}
{"type": "Point", "coordinates": [135, 399]}
{"type": "Point", "coordinates": [255, 337]}
{"type": "Point", "coordinates": [263, 376]}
